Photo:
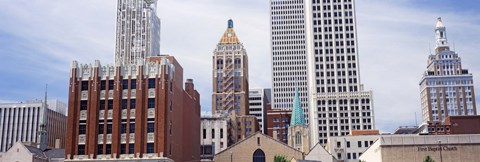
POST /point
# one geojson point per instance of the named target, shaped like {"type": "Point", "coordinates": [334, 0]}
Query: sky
{"type": "Point", "coordinates": [39, 39]}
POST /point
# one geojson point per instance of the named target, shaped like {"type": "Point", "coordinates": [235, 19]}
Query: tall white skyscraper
{"type": "Point", "coordinates": [314, 48]}
{"type": "Point", "coordinates": [446, 86]}
{"type": "Point", "coordinates": [138, 31]}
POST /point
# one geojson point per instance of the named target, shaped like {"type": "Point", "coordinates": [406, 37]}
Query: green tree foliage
{"type": "Point", "coordinates": [280, 158]}
{"type": "Point", "coordinates": [428, 159]}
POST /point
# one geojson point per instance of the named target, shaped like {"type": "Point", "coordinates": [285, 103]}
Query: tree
{"type": "Point", "coordinates": [428, 159]}
{"type": "Point", "coordinates": [280, 158]}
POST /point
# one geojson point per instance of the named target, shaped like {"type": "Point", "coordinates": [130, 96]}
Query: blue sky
{"type": "Point", "coordinates": [39, 40]}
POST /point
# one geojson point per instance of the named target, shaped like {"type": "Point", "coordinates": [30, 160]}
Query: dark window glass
{"type": "Point", "coordinates": [102, 104]}
{"type": "Point", "coordinates": [123, 128]}
{"type": "Point", "coordinates": [151, 103]}
{"type": "Point", "coordinates": [125, 84]}
{"type": "Point", "coordinates": [123, 149]}
{"type": "Point", "coordinates": [100, 129]}
{"type": "Point", "coordinates": [221, 133]}
{"type": "Point", "coordinates": [151, 83]}
{"type": "Point", "coordinates": [103, 85]}
{"type": "Point", "coordinates": [81, 149]}
{"type": "Point", "coordinates": [150, 147]}
{"type": "Point", "coordinates": [109, 128]}
{"type": "Point", "coordinates": [110, 104]}
{"type": "Point", "coordinates": [124, 104]}
{"type": "Point", "coordinates": [110, 84]}
{"type": "Point", "coordinates": [133, 84]}
{"type": "Point", "coordinates": [82, 129]}
{"type": "Point", "coordinates": [131, 149]}
{"type": "Point", "coordinates": [132, 127]}
{"type": "Point", "coordinates": [83, 105]}
{"type": "Point", "coordinates": [204, 133]}
{"type": "Point", "coordinates": [132, 103]}
{"type": "Point", "coordinates": [84, 85]}
{"type": "Point", "coordinates": [108, 150]}
{"type": "Point", "coordinates": [150, 127]}
{"type": "Point", "coordinates": [100, 149]}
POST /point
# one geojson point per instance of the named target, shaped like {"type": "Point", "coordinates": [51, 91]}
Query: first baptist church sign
{"type": "Point", "coordinates": [435, 149]}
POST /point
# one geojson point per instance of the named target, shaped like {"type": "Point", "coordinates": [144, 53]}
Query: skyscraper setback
{"type": "Point", "coordinates": [314, 48]}
{"type": "Point", "coordinates": [138, 31]}
{"type": "Point", "coordinates": [446, 88]}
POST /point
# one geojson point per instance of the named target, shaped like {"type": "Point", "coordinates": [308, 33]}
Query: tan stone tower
{"type": "Point", "coordinates": [230, 75]}
{"type": "Point", "coordinates": [298, 132]}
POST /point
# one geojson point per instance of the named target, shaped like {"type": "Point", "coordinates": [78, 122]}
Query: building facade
{"type": "Point", "coordinates": [350, 148]}
{"type": "Point", "coordinates": [400, 148]}
{"type": "Point", "coordinates": [446, 88]}
{"type": "Point", "coordinates": [29, 152]}
{"type": "Point", "coordinates": [277, 124]}
{"type": "Point", "coordinates": [138, 31]}
{"type": "Point", "coordinates": [230, 74]}
{"type": "Point", "coordinates": [21, 122]}
{"type": "Point", "coordinates": [455, 125]}
{"type": "Point", "coordinates": [314, 42]}
{"type": "Point", "coordinates": [132, 112]}
{"type": "Point", "coordinates": [215, 135]}
{"type": "Point", "coordinates": [258, 106]}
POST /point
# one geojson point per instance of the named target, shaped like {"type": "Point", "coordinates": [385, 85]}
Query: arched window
{"type": "Point", "coordinates": [258, 156]}
{"type": "Point", "coordinates": [298, 139]}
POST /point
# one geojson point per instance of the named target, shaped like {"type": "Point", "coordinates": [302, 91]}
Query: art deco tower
{"type": "Point", "coordinates": [314, 43]}
{"type": "Point", "coordinates": [446, 88]}
{"type": "Point", "coordinates": [138, 31]}
{"type": "Point", "coordinates": [230, 74]}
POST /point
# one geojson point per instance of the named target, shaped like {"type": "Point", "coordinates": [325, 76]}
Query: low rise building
{"type": "Point", "coordinates": [258, 101]}
{"type": "Point", "coordinates": [215, 135]}
{"type": "Point", "coordinates": [350, 148]}
{"type": "Point", "coordinates": [29, 152]}
{"type": "Point", "coordinates": [277, 124]}
{"type": "Point", "coordinates": [401, 148]}
{"type": "Point", "coordinates": [456, 125]}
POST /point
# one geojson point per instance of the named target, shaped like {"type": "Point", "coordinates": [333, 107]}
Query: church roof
{"type": "Point", "coordinates": [229, 37]}
{"type": "Point", "coordinates": [297, 118]}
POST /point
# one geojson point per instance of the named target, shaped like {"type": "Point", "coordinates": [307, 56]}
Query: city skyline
{"type": "Point", "coordinates": [43, 50]}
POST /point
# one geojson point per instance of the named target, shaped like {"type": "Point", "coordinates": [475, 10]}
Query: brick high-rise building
{"type": "Point", "coordinates": [132, 111]}
{"type": "Point", "coordinates": [446, 86]}
{"type": "Point", "coordinates": [315, 49]}
{"type": "Point", "coordinates": [230, 74]}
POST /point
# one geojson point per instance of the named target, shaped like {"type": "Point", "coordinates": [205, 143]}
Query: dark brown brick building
{"type": "Point", "coordinates": [456, 125]}
{"type": "Point", "coordinates": [133, 111]}
{"type": "Point", "coordinates": [277, 123]}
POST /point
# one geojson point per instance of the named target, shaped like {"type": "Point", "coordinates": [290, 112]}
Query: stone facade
{"type": "Point", "coordinates": [401, 148]}
{"type": "Point", "coordinates": [245, 149]}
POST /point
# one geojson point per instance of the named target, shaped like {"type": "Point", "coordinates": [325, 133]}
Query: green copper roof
{"type": "Point", "coordinates": [297, 117]}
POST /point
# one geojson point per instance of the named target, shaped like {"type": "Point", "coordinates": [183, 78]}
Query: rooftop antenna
{"type": "Point", "coordinates": [453, 46]}
{"type": "Point", "coordinates": [416, 123]}
{"type": "Point", "coordinates": [430, 48]}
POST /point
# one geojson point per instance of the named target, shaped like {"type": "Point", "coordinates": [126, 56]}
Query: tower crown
{"type": "Point", "coordinates": [229, 37]}
{"type": "Point", "coordinates": [298, 118]}
{"type": "Point", "coordinates": [441, 36]}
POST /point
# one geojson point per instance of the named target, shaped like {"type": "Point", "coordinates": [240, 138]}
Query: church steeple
{"type": "Point", "coordinates": [298, 118]}
{"type": "Point", "coordinates": [441, 36]}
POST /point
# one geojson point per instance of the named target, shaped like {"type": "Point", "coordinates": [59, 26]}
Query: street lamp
{"type": "Point", "coordinates": [440, 145]}
{"type": "Point", "coordinates": [231, 156]}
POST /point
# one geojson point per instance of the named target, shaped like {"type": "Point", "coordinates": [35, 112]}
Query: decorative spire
{"type": "Point", "coordinates": [42, 139]}
{"type": "Point", "coordinates": [441, 36]}
{"type": "Point", "coordinates": [297, 117]}
{"type": "Point", "coordinates": [229, 37]}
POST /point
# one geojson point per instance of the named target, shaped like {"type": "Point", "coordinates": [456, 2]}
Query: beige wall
{"type": "Point", "coordinates": [243, 151]}
{"type": "Point", "coordinates": [450, 153]}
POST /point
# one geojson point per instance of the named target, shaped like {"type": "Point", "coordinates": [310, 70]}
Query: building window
{"type": "Point", "coordinates": [150, 127]}
{"type": "Point", "coordinates": [124, 104]}
{"type": "Point", "coordinates": [84, 85]}
{"type": "Point", "coordinates": [258, 156]}
{"type": "Point", "coordinates": [150, 148]}
{"type": "Point", "coordinates": [123, 128]}
{"type": "Point", "coordinates": [125, 84]}
{"type": "Point", "coordinates": [133, 84]}
{"type": "Point", "coordinates": [354, 156]}
{"type": "Point", "coordinates": [83, 105]}
{"type": "Point", "coordinates": [151, 83]}
{"type": "Point", "coordinates": [339, 144]}
{"type": "Point", "coordinates": [339, 156]}
{"type": "Point", "coordinates": [123, 149]}
{"type": "Point", "coordinates": [103, 85]}
{"type": "Point", "coordinates": [109, 128]}
{"type": "Point", "coordinates": [132, 127]}
{"type": "Point", "coordinates": [359, 144]}
{"type": "Point", "coordinates": [221, 133]}
{"type": "Point", "coordinates": [204, 134]}
{"type": "Point", "coordinates": [102, 104]}
{"type": "Point", "coordinates": [131, 149]}
{"type": "Point", "coordinates": [82, 129]}
{"type": "Point", "coordinates": [132, 103]}
{"type": "Point", "coordinates": [348, 144]}
{"type": "Point", "coordinates": [110, 84]}
{"type": "Point", "coordinates": [100, 149]}
{"type": "Point", "coordinates": [213, 133]}
{"type": "Point", "coordinates": [151, 103]}
{"type": "Point", "coordinates": [349, 156]}
{"type": "Point", "coordinates": [108, 149]}
{"type": "Point", "coordinates": [100, 129]}
{"type": "Point", "coordinates": [110, 104]}
{"type": "Point", "coordinates": [81, 149]}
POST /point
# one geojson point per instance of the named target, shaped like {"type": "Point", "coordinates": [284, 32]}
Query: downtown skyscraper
{"type": "Point", "coordinates": [446, 88]}
{"type": "Point", "coordinates": [314, 48]}
{"type": "Point", "coordinates": [138, 31]}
